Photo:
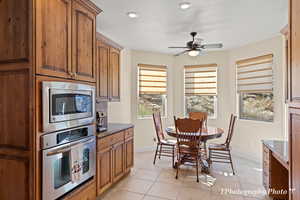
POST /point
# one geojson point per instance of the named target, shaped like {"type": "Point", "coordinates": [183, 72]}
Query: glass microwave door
{"type": "Point", "coordinates": [65, 104]}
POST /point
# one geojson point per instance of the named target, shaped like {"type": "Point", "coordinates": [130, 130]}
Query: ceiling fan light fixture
{"type": "Point", "coordinates": [194, 53]}
{"type": "Point", "coordinates": [184, 5]}
{"type": "Point", "coordinates": [132, 15]}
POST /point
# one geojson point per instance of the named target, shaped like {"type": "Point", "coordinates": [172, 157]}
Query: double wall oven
{"type": "Point", "coordinates": [68, 143]}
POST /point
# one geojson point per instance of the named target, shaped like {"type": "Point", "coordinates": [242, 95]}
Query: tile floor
{"type": "Point", "coordinates": [157, 182]}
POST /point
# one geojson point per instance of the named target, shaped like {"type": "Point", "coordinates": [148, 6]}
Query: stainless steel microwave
{"type": "Point", "coordinates": [67, 105]}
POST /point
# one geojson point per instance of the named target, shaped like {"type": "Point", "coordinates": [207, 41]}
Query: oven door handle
{"type": "Point", "coordinates": [68, 148]}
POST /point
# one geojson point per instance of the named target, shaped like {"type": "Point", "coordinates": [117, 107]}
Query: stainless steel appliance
{"type": "Point", "coordinates": [101, 116]}
{"type": "Point", "coordinates": [59, 149]}
{"type": "Point", "coordinates": [67, 105]}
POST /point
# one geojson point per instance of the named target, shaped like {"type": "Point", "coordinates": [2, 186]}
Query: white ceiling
{"type": "Point", "coordinates": [161, 23]}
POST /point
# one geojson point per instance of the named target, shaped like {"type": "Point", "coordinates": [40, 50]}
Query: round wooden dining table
{"type": "Point", "coordinates": [206, 134]}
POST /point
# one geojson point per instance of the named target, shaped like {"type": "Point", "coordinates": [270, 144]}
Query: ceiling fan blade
{"type": "Point", "coordinates": [178, 47]}
{"type": "Point", "coordinates": [183, 52]}
{"type": "Point", "coordinates": [211, 46]}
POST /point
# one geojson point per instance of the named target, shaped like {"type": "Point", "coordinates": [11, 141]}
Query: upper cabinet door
{"type": "Point", "coordinates": [295, 49]}
{"type": "Point", "coordinates": [114, 74]}
{"type": "Point", "coordinates": [53, 38]}
{"type": "Point", "coordinates": [102, 70]}
{"type": "Point", "coordinates": [83, 44]}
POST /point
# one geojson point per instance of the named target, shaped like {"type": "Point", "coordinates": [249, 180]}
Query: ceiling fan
{"type": "Point", "coordinates": [194, 47]}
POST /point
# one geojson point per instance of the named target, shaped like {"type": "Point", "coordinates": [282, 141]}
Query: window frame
{"type": "Point", "coordinates": [138, 97]}
{"type": "Point", "coordinates": [238, 94]}
{"type": "Point", "coordinates": [254, 120]}
{"type": "Point", "coordinates": [216, 108]}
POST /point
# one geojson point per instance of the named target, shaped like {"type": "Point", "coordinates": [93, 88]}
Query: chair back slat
{"type": "Point", "coordinates": [188, 132]}
{"type": "Point", "coordinates": [200, 116]}
{"type": "Point", "coordinates": [158, 126]}
{"type": "Point", "coordinates": [230, 129]}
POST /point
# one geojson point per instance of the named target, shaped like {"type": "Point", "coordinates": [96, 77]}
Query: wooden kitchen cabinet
{"type": "Point", "coordinates": [86, 192]}
{"type": "Point", "coordinates": [53, 42]}
{"type": "Point", "coordinates": [83, 42]}
{"type": "Point", "coordinates": [114, 74]}
{"type": "Point", "coordinates": [102, 70]}
{"type": "Point", "coordinates": [108, 69]}
{"type": "Point", "coordinates": [104, 169]}
{"type": "Point", "coordinates": [65, 41]}
{"type": "Point", "coordinates": [114, 158]}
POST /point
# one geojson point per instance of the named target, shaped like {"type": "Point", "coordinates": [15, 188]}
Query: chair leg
{"type": "Point", "coordinates": [197, 169]}
{"type": "Point", "coordinates": [155, 154]}
{"type": "Point", "coordinates": [173, 155]}
{"type": "Point", "coordinates": [231, 162]}
{"type": "Point", "coordinates": [160, 150]}
{"type": "Point", "coordinates": [209, 158]}
{"type": "Point", "coordinates": [177, 169]}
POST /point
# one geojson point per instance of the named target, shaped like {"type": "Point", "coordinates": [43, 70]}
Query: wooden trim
{"type": "Point", "coordinates": [191, 94]}
{"type": "Point", "coordinates": [152, 92]}
{"type": "Point", "coordinates": [254, 64]}
{"type": "Point", "coordinates": [148, 66]}
{"type": "Point", "coordinates": [191, 72]}
{"type": "Point", "coordinates": [100, 37]}
{"type": "Point", "coordinates": [153, 70]}
{"type": "Point", "coordinates": [201, 82]}
{"type": "Point", "coordinates": [150, 81]}
{"type": "Point", "coordinates": [264, 83]}
{"type": "Point", "coordinates": [257, 70]}
{"type": "Point", "coordinates": [255, 59]}
{"type": "Point", "coordinates": [91, 6]}
{"type": "Point", "coordinates": [157, 76]}
{"type": "Point", "coordinates": [200, 77]}
{"type": "Point", "coordinates": [195, 88]}
{"type": "Point", "coordinates": [254, 77]}
{"type": "Point", "coordinates": [199, 66]}
{"type": "Point", "coordinates": [146, 86]}
{"type": "Point", "coordinates": [255, 91]}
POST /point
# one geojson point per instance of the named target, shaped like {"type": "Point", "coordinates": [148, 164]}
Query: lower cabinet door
{"type": "Point", "coordinates": [104, 169]}
{"type": "Point", "coordinates": [129, 154]}
{"type": "Point", "coordinates": [118, 161]}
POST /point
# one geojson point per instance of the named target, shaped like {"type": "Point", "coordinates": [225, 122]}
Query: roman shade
{"type": "Point", "coordinates": [152, 79]}
{"type": "Point", "coordinates": [255, 75]}
{"type": "Point", "coordinates": [200, 79]}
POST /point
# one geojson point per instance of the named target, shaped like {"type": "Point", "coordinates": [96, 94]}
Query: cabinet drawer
{"type": "Point", "coordinates": [129, 133]}
{"type": "Point", "coordinates": [105, 142]}
{"type": "Point", "coordinates": [118, 137]}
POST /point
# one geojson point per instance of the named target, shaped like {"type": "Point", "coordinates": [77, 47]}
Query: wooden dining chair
{"type": "Point", "coordinates": [221, 152]}
{"type": "Point", "coordinates": [203, 117]}
{"type": "Point", "coordinates": [165, 147]}
{"type": "Point", "coordinates": [188, 133]}
{"type": "Point", "coordinates": [199, 115]}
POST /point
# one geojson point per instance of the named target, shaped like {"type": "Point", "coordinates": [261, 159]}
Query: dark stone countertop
{"type": "Point", "coordinates": [114, 128]}
{"type": "Point", "coordinates": [278, 147]}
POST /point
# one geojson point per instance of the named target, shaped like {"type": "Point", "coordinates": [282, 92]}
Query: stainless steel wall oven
{"type": "Point", "coordinates": [68, 160]}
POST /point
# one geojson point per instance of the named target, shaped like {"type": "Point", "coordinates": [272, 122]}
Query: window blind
{"type": "Point", "coordinates": [255, 75]}
{"type": "Point", "coordinates": [152, 79]}
{"type": "Point", "coordinates": [200, 79]}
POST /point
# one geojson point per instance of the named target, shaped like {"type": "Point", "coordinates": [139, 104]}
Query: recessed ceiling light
{"type": "Point", "coordinates": [132, 14]}
{"type": "Point", "coordinates": [184, 5]}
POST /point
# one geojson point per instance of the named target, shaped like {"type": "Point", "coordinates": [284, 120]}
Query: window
{"type": "Point", "coordinates": [255, 88]}
{"type": "Point", "coordinates": [201, 89]}
{"type": "Point", "coordinates": [152, 90]}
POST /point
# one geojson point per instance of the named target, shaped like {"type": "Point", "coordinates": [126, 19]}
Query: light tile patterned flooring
{"type": "Point", "coordinates": [157, 182]}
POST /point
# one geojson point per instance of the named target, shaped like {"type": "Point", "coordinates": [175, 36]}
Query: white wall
{"type": "Point", "coordinates": [248, 134]}
{"type": "Point", "coordinates": [144, 128]}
